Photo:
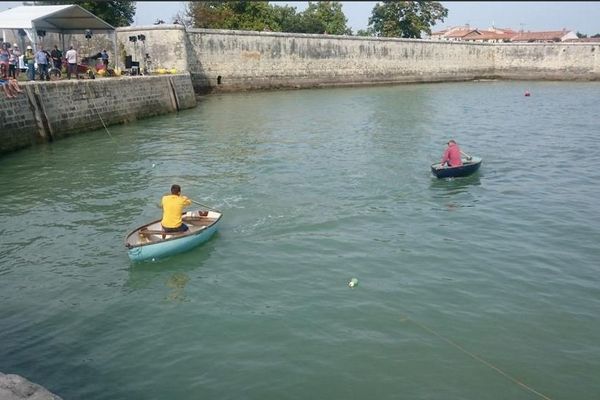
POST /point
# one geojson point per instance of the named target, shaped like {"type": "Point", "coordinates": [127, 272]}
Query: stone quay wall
{"type": "Point", "coordinates": [222, 60]}
{"type": "Point", "coordinates": [228, 60]}
{"type": "Point", "coordinates": [16, 387]}
{"type": "Point", "coordinates": [51, 110]}
{"type": "Point", "coordinates": [548, 61]}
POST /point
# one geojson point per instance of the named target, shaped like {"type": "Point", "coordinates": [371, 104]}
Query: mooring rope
{"type": "Point", "coordinates": [93, 103]}
{"type": "Point", "coordinates": [476, 357]}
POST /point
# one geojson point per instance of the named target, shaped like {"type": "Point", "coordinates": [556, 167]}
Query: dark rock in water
{"type": "Point", "coordinates": [15, 387]}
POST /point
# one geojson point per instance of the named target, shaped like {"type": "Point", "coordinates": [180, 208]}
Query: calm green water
{"type": "Point", "coordinates": [317, 187]}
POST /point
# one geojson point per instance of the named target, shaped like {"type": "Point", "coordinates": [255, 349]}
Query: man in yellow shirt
{"type": "Point", "coordinates": [172, 206]}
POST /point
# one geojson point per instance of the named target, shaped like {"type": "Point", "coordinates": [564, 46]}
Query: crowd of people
{"type": "Point", "coordinates": [9, 70]}
{"type": "Point", "coordinates": [41, 64]}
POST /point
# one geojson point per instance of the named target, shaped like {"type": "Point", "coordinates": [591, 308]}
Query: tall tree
{"type": "Point", "coordinates": [319, 17]}
{"type": "Point", "coordinates": [329, 15]}
{"type": "Point", "coordinates": [288, 19]}
{"type": "Point", "coordinates": [115, 12]}
{"type": "Point", "coordinates": [365, 32]}
{"type": "Point", "coordinates": [208, 14]}
{"type": "Point", "coordinates": [406, 19]}
{"type": "Point", "coordinates": [242, 15]}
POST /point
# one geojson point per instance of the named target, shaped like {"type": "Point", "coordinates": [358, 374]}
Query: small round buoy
{"type": "Point", "coordinates": [353, 282]}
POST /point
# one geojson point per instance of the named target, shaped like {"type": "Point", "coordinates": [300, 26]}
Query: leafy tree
{"type": "Point", "coordinates": [365, 32]}
{"type": "Point", "coordinates": [115, 12]}
{"type": "Point", "coordinates": [319, 17]}
{"type": "Point", "coordinates": [288, 19]}
{"type": "Point", "coordinates": [181, 18]}
{"type": "Point", "coordinates": [407, 19]}
{"type": "Point", "coordinates": [242, 15]}
{"type": "Point", "coordinates": [253, 15]}
{"type": "Point", "coordinates": [326, 17]}
{"type": "Point", "coordinates": [209, 14]}
{"type": "Point", "coordinates": [582, 35]}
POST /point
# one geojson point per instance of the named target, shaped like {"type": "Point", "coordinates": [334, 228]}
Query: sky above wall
{"type": "Point", "coordinates": [578, 16]}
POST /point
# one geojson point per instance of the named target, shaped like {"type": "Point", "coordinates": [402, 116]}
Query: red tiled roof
{"type": "Point", "coordinates": [505, 30]}
{"type": "Point", "coordinates": [454, 32]}
{"type": "Point", "coordinates": [489, 35]}
{"type": "Point", "coordinates": [500, 34]}
{"type": "Point", "coordinates": [438, 33]}
{"type": "Point", "coordinates": [458, 33]}
{"type": "Point", "coordinates": [532, 36]}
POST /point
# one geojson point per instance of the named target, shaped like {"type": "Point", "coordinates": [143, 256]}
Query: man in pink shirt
{"type": "Point", "coordinates": [451, 155]}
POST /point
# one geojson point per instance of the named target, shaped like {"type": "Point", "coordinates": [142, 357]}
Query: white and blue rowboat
{"type": "Point", "coordinates": [150, 242]}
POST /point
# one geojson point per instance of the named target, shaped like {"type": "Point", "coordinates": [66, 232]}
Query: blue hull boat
{"type": "Point", "coordinates": [150, 242]}
{"type": "Point", "coordinates": [470, 166]}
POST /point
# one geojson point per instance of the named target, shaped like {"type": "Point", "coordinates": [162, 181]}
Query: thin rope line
{"type": "Point", "coordinates": [97, 113]}
{"type": "Point", "coordinates": [476, 357]}
{"type": "Point", "coordinates": [101, 120]}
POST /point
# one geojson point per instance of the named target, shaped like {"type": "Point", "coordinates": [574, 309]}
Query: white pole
{"type": "Point", "coordinates": [116, 55]}
{"type": "Point", "coordinates": [33, 37]}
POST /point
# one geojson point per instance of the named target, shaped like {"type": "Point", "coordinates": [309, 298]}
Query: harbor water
{"type": "Point", "coordinates": [484, 287]}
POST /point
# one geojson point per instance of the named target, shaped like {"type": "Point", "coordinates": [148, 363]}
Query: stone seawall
{"type": "Point", "coordinates": [15, 387]}
{"type": "Point", "coordinates": [553, 61]}
{"type": "Point", "coordinates": [236, 60]}
{"type": "Point", "coordinates": [50, 110]}
{"type": "Point", "coordinates": [222, 60]}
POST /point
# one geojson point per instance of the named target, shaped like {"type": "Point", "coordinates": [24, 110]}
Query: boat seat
{"type": "Point", "coordinates": [159, 232]}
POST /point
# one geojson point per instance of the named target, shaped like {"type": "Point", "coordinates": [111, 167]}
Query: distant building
{"type": "Point", "coordinates": [491, 35]}
{"type": "Point", "coordinates": [454, 33]}
{"type": "Point", "coordinates": [501, 35]}
{"type": "Point", "coordinates": [544, 37]}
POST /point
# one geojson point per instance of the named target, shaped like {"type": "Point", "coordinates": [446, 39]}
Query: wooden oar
{"type": "Point", "coordinates": [205, 206]}
{"type": "Point", "coordinates": [466, 155]}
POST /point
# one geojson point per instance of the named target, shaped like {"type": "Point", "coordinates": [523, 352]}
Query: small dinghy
{"type": "Point", "coordinates": [470, 165]}
{"type": "Point", "coordinates": [150, 242]}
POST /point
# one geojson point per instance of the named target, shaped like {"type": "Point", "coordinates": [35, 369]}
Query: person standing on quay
{"type": "Point", "coordinates": [17, 53]}
{"type": "Point", "coordinates": [4, 57]}
{"type": "Point", "coordinates": [13, 61]}
{"type": "Point", "coordinates": [104, 56]}
{"type": "Point", "coordinates": [71, 57]}
{"type": "Point", "coordinates": [41, 57]}
{"type": "Point", "coordinates": [56, 55]}
{"type": "Point", "coordinates": [29, 60]}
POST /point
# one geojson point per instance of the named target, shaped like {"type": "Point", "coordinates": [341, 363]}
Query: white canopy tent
{"type": "Point", "coordinates": [62, 19]}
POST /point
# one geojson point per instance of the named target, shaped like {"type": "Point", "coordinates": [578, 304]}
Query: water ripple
{"type": "Point", "coordinates": [317, 187]}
